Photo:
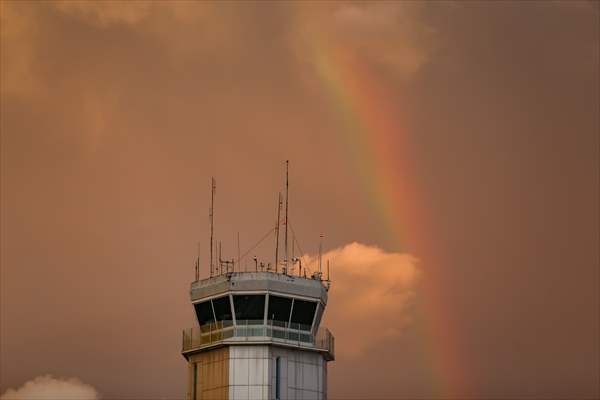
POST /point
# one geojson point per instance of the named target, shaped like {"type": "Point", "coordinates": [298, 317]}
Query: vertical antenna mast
{"type": "Point", "coordinates": [220, 261]}
{"type": "Point", "coordinates": [213, 187]}
{"type": "Point", "coordinates": [293, 239]}
{"type": "Point", "coordinates": [328, 276]}
{"type": "Point", "coordinates": [198, 264]}
{"type": "Point", "coordinates": [238, 260]}
{"type": "Point", "coordinates": [287, 163]}
{"type": "Point", "coordinates": [320, 252]}
{"type": "Point", "coordinates": [277, 232]}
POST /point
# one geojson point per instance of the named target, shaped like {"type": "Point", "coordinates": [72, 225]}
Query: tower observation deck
{"type": "Point", "coordinates": [258, 335]}
{"type": "Point", "coordinates": [258, 338]}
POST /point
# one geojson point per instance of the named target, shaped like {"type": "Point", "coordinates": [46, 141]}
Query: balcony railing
{"type": "Point", "coordinates": [223, 332]}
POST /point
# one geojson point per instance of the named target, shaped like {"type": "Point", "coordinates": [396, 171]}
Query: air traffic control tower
{"type": "Point", "coordinates": [258, 337]}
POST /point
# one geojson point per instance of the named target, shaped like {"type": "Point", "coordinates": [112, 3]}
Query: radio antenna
{"type": "Point", "coordinates": [277, 232]}
{"type": "Point", "coordinates": [287, 163]}
{"type": "Point", "coordinates": [220, 261]}
{"type": "Point", "coordinates": [238, 260]}
{"type": "Point", "coordinates": [320, 252]}
{"type": "Point", "coordinates": [213, 188]}
{"type": "Point", "coordinates": [198, 264]}
{"type": "Point", "coordinates": [328, 276]}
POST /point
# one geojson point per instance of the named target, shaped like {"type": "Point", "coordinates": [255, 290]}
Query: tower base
{"type": "Point", "coordinates": [257, 372]}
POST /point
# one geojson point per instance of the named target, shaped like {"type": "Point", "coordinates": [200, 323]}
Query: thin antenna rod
{"type": "Point", "coordinates": [198, 264]}
{"type": "Point", "coordinates": [320, 252]}
{"type": "Point", "coordinates": [293, 239]}
{"type": "Point", "coordinates": [328, 285]}
{"type": "Point", "coordinates": [277, 232]}
{"type": "Point", "coordinates": [287, 163]}
{"type": "Point", "coordinates": [213, 187]}
{"type": "Point", "coordinates": [220, 261]}
{"type": "Point", "coordinates": [238, 260]}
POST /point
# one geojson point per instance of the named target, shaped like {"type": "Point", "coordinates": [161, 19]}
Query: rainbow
{"type": "Point", "coordinates": [379, 150]}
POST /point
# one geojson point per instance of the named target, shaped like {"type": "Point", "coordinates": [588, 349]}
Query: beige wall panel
{"type": "Point", "coordinates": [190, 380]}
{"type": "Point", "coordinates": [247, 372]}
{"type": "Point", "coordinates": [213, 379]}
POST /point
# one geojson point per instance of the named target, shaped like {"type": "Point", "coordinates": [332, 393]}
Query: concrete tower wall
{"type": "Point", "coordinates": [303, 374]}
{"type": "Point", "coordinates": [250, 373]}
{"type": "Point", "coordinates": [249, 377]}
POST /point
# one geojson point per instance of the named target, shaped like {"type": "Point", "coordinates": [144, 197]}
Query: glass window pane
{"type": "Point", "coordinates": [303, 312]}
{"type": "Point", "coordinates": [204, 312]}
{"type": "Point", "coordinates": [222, 309]}
{"type": "Point", "coordinates": [279, 308]}
{"type": "Point", "coordinates": [250, 306]}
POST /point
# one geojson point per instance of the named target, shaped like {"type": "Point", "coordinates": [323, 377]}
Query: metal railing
{"type": "Point", "coordinates": [295, 335]}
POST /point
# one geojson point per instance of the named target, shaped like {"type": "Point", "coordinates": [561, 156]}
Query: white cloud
{"type": "Point", "coordinates": [46, 387]}
{"type": "Point", "coordinates": [393, 35]}
{"type": "Point", "coordinates": [371, 295]}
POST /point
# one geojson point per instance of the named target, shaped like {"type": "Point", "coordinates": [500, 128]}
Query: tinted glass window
{"type": "Point", "coordinates": [251, 306]}
{"type": "Point", "coordinates": [204, 312]}
{"type": "Point", "coordinates": [303, 312]}
{"type": "Point", "coordinates": [222, 309]}
{"type": "Point", "coordinates": [279, 308]}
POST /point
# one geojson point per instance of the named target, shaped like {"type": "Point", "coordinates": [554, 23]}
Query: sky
{"type": "Point", "coordinates": [447, 151]}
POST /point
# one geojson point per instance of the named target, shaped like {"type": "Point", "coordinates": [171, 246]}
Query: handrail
{"type": "Point", "coordinates": [255, 331]}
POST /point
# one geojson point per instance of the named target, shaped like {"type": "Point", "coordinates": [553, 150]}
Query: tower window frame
{"type": "Point", "coordinates": [250, 307]}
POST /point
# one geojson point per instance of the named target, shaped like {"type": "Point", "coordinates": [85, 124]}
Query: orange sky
{"type": "Point", "coordinates": [454, 143]}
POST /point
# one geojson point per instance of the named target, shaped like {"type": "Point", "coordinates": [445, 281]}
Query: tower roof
{"type": "Point", "coordinates": [259, 282]}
